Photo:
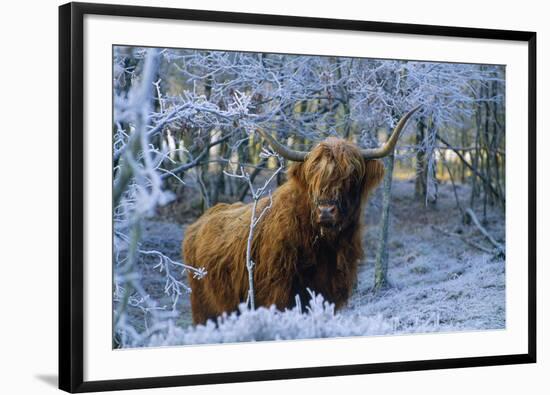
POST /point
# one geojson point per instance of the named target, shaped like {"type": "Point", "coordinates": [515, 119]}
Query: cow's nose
{"type": "Point", "coordinates": [327, 211]}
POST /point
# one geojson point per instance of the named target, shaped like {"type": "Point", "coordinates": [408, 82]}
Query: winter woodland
{"type": "Point", "coordinates": [185, 138]}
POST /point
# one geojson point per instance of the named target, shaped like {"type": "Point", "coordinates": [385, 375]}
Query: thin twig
{"type": "Point", "coordinates": [498, 246]}
{"type": "Point", "coordinates": [464, 239]}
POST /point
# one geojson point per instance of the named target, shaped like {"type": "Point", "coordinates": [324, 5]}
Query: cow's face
{"type": "Point", "coordinates": [337, 175]}
{"type": "Point", "coordinates": [336, 178]}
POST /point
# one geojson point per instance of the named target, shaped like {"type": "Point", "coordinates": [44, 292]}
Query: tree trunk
{"type": "Point", "coordinates": [217, 185]}
{"type": "Point", "coordinates": [420, 189]}
{"type": "Point", "coordinates": [464, 141]}
{"type": "Point", "coordinates": [475, 158]}
{"type": "Point", "coordinates": [381, 264]}
{"type": "Point", "coordinates": [430, 172]}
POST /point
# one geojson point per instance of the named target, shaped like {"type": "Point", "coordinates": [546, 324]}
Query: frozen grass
{"type": "Point", "coordinates": [319, 321]}
{"type": "Point", "coordinates": [437, 283]}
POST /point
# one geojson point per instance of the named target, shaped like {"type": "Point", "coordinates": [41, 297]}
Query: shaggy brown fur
{"type": "Point", "coordinates": [291, 250]}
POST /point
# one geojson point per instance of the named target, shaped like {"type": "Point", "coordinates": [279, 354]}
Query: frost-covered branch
{"type": "Point", "coordinates": [254, 217]}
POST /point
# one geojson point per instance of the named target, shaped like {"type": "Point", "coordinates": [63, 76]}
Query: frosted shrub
{"type": "Point", "coordinates": [318, 321]}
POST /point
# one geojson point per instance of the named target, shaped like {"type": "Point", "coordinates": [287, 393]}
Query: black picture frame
{"type": "Point", "coordinates": [71, 195]}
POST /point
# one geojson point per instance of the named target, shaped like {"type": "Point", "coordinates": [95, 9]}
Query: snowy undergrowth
{"type": "Point", "coordinates": [318, 321]}
{"type": "Point", "coordinates": [461, 294]}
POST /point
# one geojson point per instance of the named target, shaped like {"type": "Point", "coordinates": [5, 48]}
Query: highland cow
{"type": "Point", "coordinates": [310, 238]}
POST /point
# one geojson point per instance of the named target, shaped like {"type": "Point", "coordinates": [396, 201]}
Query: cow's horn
{"type": "Point", "coordinates": [284, 151]}
{"type": "Point", "coordinates": [387, 148]}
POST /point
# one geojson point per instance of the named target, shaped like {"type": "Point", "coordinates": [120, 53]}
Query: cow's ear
{"type": "Point", "coordinates": [374, 172]}
{"type": "Point", "coordinates": [296, 172]}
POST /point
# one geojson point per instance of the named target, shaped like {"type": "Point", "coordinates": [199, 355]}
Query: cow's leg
{"type": "Point", "coordinates": [200, 307]}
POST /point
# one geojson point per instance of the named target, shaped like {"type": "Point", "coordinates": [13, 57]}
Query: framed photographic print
{"type": "Point", "coordinates": [253, 197]}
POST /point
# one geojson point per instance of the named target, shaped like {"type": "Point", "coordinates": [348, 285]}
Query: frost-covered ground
{"type": "Point", "coordinates": [438, 283]}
